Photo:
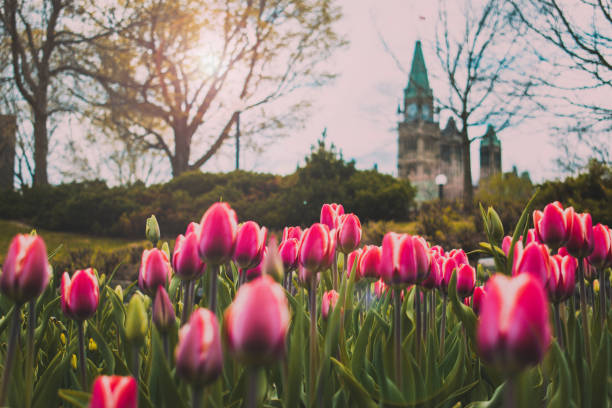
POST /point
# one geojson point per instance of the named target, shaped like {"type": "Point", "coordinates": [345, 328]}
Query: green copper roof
{"type": "Point", "coordinates": [490, 138]}
{"type": "Point", "coordinates": [418, 82]}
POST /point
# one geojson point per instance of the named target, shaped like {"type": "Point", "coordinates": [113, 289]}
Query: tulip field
{"type": "Point", "coordinates": [232, 317]}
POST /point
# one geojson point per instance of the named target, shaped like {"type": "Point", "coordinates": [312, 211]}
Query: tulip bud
{"type": "Point", "coordinates": [328, 302]}
{"type": "Point", "coordinates": [466, 279]}
{"type": "Point", "coordinates": [119, 292]}
{"type": "Point", "coordinates": [80, 296]}
{"type": "Point", "coordinates": [601, 246]}
{"type": "Point", "coordinates": [531, 237]}
{"type": "Point", "coordinates": [314, 247]}
{"type": "Point", "coordinates": [437, 250]}
{"type": "Point", "coordinates": [369, 262]}
{"type": "Point", "coordinates": [114, 392]}
{"type": "Point", "coordinates": [513, 330]}
{"type": "Point", "coordinates": [553, 225]}
{"type": "Point", "coordinates": [163, 311]}
{"type": "Point", "coordinates": [380, 288]}
{"type": "Point", "coordinates": [288, 250]}
{"type": "Point", "coordinates": [136, 320]}
{"type": "Point", "coordinates": [534, 259]}
{"type": "Point", "coordinates": [199, 359]}
{"type": "Point", "coordinates": [272, 263]}
{"type": "Point", "coordinates": [496, 228]}
{"type": "Point", "coordinates": [405, 259]}
{"type": "Point", "coordinates": [155, 270]}
{"type": "Point", "coordinates": [92, 345]}
{"type": "Point", "coordinates": [352, 261]}
{"type": "Point", "coordinates": [459, 257]}
{"type": "Point", "coordinates": [186, 259]}
{"type": "Point", "coordinates": [26, 272]}
{"type": "Point", "coordinates": [330, 215]}
{"type": "Point", "coordinates": [331, 250]}
{"type": "Point", "coordinates": [434, 278]}
{"type": "Point", "coordinates": [447, 266]}
{"type": "Point", "coordinates": [580, 243]}
{"type": "Point", "coordinates": [349, 233]}
{"type": "Point", "coordinates": [257, 321]}
{"type": "Point", "coordinates": [256, 271]}
{"type": "Point", "coordinates": [292, 232]}
{"type": "Point", "coordinates": [479, 293]}
{"type": "Point", "coordinates": [250, 242]}
{"type": "Point", "coordinates": [562, 279]}
{"type": "Point", "coordinates": [218, 234]}
{"type": "Point", "coordinates": [152, 230]}
{"type": "Point", "coordinates": [506, 242]}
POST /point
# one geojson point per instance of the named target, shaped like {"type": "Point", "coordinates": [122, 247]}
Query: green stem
{"type": "Point", "coordinates": [166, 344]}
{"type": "Point", "coordinates": [510, 393]}
{"type": "Point", "coordinates": [602, 296]}
{"type": "Point", "coordinates": [397, 328]}
{"type": "Point", "coordinates": [432, 311]}
{"type": "Point", "coordinates": [30, 355]}
{"type": "Point", "coordinates": [583, 310]}
{"type": "Point", "coordinates": [196, 396]}
{"type": "Point", "coordinates": [136, 362]}
{"type": "Point", "coordinates": [443, 324]}
{"type": "Point", "coordinates": [82, 355]}
{"type": "Point", "coordinates": [212, 304]}
{"type": "Point", "coordinates": [252, 380]}
{"type": "Point", "coordinates": [10, 353]}
{"type": "Point", "coordinates": [335, 270]}
{"type": "Point", "coordinates": [417, 310]}
{"type": "Point", "coordinates": [188, 287]}
{"type": "Point", "coordinates": [313, 336]}
{"type": "Point", "coordinates": [559, 327]}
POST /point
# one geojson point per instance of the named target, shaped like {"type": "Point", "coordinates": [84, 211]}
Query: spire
{"type": "Point", "coordinates": [490, 137]}
{"type": "Point", "coordinates": [418, 83]}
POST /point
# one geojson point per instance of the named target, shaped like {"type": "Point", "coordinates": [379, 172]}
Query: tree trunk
{"type": "Point", "coordinates": [182, 148]}
{"type": "Point", "coordinates": [41, 147]}
{"type": "Point", "coordinates": [468, 188]}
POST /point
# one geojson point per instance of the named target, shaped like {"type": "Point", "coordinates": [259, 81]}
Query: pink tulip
{"type": "Point", "coordinates": [217, 238]}
{"type": "Point", "coordinates": [80, 296]}
{"type": "Point", "coordinates": [349, 233]}
{"type": "Point", "coordinates": [513, 330]}
{"type": "Point", "coordinates": [380, 288]}
{"type": "Point", "coordinates": [532, 237]}
{"type": "Point", "coordinates": [553, 225]}
{"type": "Point", "coordinates": [479, 293]}
{"type": "Point", "coordinates": [155, 270]}
{"type": "Point", "coordinates": [114, 392]}
{"type": "Point", "coordinates": [163, 311]}
{"type": "Point", "coordinates": [186, 259]}
{"type": "Point", "coordinates": [250, 242]}
{"type": "Point", "coordinates": [535, 260]}
{"type": "Point", "coordinates": [331, 250]}
{"type": "Point", "coordinates": [292, 232]}
{"type": "Point", "coordinates": [435, 271]}
{"type": "Point", "coordinates": [26, 272]}
{"type": "Point", "coordinates": [199, 359]}
{"type": "Point", "coordinates": [256, 271]}
{"type": "Point", "coordinates": [447, 266]}
{"type": "Point", "coordinates": [466, 280]}
{"type": "Point", "coordinates": [257, 321]}
{"type": "Point", "coordinates": [405, 259]}
{"type": "Point", "coordinates": [328, 302]}
{"type": "Point", "coordinates": [352, 262]}
{"type": "Point", "coordinates": [562, 279]}
{"type": "Point", "coordinates": [581, 243]}
{"type": "Point", "coordinates": [459, 257]}
{"type": "Point", "coordinates": [314, 247]}
{"type": "Point", "coordinates": [330, 215]}
{"type": "Point", "coordinates": [602, 246]}
{"type": "Point", "coordinates": [369, 262]}
{"type": "Point", "coordinates": [506, 242]}
{"type": "Point", "coordinates": [437, 250]}
{"type": "Point", "coordinates": [288, 250]}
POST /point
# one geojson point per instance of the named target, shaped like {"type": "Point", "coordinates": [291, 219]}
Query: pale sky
{"type": "Point", "coordinates": [359, 108]}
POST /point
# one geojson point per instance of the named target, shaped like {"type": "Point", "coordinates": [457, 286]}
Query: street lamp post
{"type": "Point", "coordinates": [441, 181]}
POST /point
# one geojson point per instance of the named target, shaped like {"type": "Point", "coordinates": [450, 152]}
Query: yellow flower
{"type": "Point", "coordinates": [92, 345]}
{"type": "Point", "coordinates": [73, 362]}
{"type": "Point", "coordinates": [596, 286]}
{"type": "Point", "coordinates": [63, 338]}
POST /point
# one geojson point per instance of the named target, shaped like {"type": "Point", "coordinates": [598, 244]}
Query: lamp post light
{"type": "Point", "coordinates": [441, 181]}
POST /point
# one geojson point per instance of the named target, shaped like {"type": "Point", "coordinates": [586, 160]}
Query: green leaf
{"type": "Point", "coordinates": [563, 384]}
{"type": "Point", "coordinates": [103, 348]}
{"type": "Point", "coordinates": [521, 229]}
{"type": "Point", "coordinates": [496, 400]}
{"type": "Point", "coordinates": [296, 352]}
{"type": "Point", "coordinates": [360, 396]}
{"type": "Point", "coordinates": [77, 398]}
{"type": "Point", "coordinates": [599, 378]}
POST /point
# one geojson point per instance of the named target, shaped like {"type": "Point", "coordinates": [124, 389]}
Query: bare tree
{"type": "Point", "coordinates": [178, 79]}
{"type": "Point", "coordinates": [481, 60]}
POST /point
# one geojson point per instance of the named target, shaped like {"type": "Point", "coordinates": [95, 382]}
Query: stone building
{"type": "Point", "coordinates": [425, 150]}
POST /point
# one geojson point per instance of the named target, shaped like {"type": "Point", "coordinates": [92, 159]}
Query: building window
{"type": "Point", "coordinates": [445, 153]}
{"type": "Point", "coordinates": [484, 157]}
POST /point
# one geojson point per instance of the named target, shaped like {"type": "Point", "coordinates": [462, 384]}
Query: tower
{"type": "Point", "coordinates": [490, 154]}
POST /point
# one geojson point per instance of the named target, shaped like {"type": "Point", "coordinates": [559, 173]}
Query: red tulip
{"type": "Point", "coordinates": [330, 215]}
{"type": "Point", "coordinates": [199, 359]}
{"type": "Point", "coordinates": [331, 250]}
{"type": "Point", "coordinates": [114, 392]}
{"type": "Point", "coordinates": [532, 237]}
{"type": "Point", "coordinates": [250, 243]}
{"type": "Point", "coordinates": [437, 250]}
{"type": "Point", "coordinates": [349, 233]}
{"type": "Point", "coordinates": [435, 271]}
{"type": "Point", "coordinates": [314, 247]}
{"type": "Point", "coordinates": [352, 261]}
{"type": "Point", "coordinates": [553, 225]}
{"type": "Point", "coordinates": [292, 232]}
{"type": "Point", "coordinates": [26, 272]}
{"type": "Point", "coordinates": [288, 250]}
{"type": "Point", "coordinates": [380, 288]}
{"type": "Point", "coordinates": [186, 260]}
{"type": "Point", "coordinates": [513, 330]}
{"type": "Point", "coordinates": [163, 311]}
{"type": "Point", "coordinates": [328, 302]}
{"type": "Point", "coordinates": [257, 321]}
{"type": "Point", "coordinates": [581, 243]}
{"type": "Point", "coordinates": [562, 279]}
{"type": "Point", "coordinates": [467, 301]}
{"type": "Point", "coordinates": [218, 234]}
{"type": "Point", "coordinates": [466, 279]}
{"type": "Point", "coordinates": [405, 259]}
{"type": "Point", "coordinates": [369, 262]}
{"type": "Point", "coordinates": [535, 260]}
{"type": "Point", "coordinates": [447, 266]}
{"type": "Point", "coordinates": [602, 246]}
{"type": "Point", "coordinates": [80, 295]}
{"type": "Point", "coordinates": [479, 293]}
{"type": "Point", "coordinates": [155, 270]}
{"type": "Point", "coordinates": [459, 257]}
